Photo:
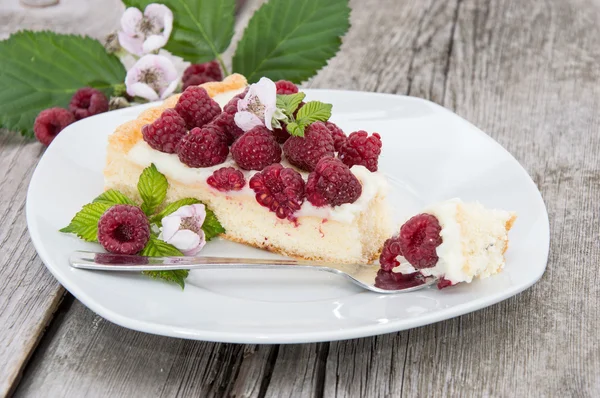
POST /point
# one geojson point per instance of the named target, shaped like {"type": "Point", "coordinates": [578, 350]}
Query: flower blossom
{"type": "Point", "coordinates": [183, 229]}
{"type": "Point", "coordinates": [144, 33]}
{"type": "Point", "coordinates": [152, 77]}
{"type": "Point", "coordinates": [258, 107]}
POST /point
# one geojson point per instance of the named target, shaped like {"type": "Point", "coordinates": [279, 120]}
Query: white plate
{"type": "Point", "coordinates": [429, 154]}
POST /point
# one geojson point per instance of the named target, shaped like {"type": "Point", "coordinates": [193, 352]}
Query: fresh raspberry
{"type": "Point", "coordinates": [256, 149]}
{"type": "Point", "coordinates": [50, 122]}
{"type": "Point", "coordinates": [88, 102]}
{"type": "Point", "coordinates": [281, 135]}
{"type": "Point", "coordinates": [339, 138]}
{"type": "Point", "coordinates": [165, 132]}
{"type": "Point", "coordinates": [207, 72]}
{"type": "Point", "coordinates": [391, 250]}
{"type": "Point", "coordinates": [231, 106]}
{"type": "Point", "coordinates": [195, 80]}
{"type": "Point", "coordinates": [388, 280]}
{"type": "Point", "coordinates": [419, 237]}
{"type": "Point", "coordinates": [123, 229]}
{"type": "Point", "coordinates": [280, 189]}
{"type": "Point", "coordinates": [443, 282]}
{"type": "Point", "coordinates": [286, 87]}
{"type": "Point", "coordinates": [332, 183]}
{"type": "Point", "coordinates": [196, 107]}
{"type": "Point", "coordinates": [227, 179]}
{"type": "Point", "coordinates": [360, 149]}
{"type": "Point", "coordinates": [203, 147]}
{"type": "Point", "coordinates": [305, 152]}
{"type": "Point", "coordinates": [225, 122]}
{"type": "Point", "coordinates": [119, 259]}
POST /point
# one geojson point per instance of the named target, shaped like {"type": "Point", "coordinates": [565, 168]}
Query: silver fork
{"type": "Point", "coordinates": [369, 277]}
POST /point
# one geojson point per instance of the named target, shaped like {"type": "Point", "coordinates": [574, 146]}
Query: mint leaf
{"type": "Point", "coordinates": [172, 207]}
{"type": "Point", "coordinates": [40, 70]}
{"type": "Point", "coordinates": [202, 29]}
{"type": "Point", "coordinates": [85, 222]}
{"type": "Point", "coordinates": [158, 248]}
{"type": "Point", "coordinates": [152, 186]}
{"type": "Point", "coordinates": [313, 111]}
{"type": "Point", "coordinates": [113, 197]}
{"type": "Point", "coordinates": [291, 40]}
{"type": "Point", "coordinates": [212, 227]}
{"type": "Point", "coordinates": [289, 102]}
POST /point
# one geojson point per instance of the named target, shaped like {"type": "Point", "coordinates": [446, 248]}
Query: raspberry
{"type": "Point", "coordinates": [281, 135]}
{"type": "Point", "coordinates": [388, 280]}
{"type": "Point", "coordinates": [123, 229]}
{"type": "Point", "coordinates": [286, 87]}
{"type": "Point", "coordinates": [231, 106]}
{"type": "Point", "coordinates": [280, 189]}
{"type": "Point", "coordinates": [50, 122]}
{"type": "Point", "coordinates": [305, 152]}
{"type": "Point", "coordinates": [225, 123]}
{"type": "Point", "coordinates": [196, 107]}
{"type": "Point", "coordinates": [443, 282]}
{"type": "Point", "coordinates": [256, 149]}
{"type": "Point", "coordinates": [165, 132]}
{"type": "Point", "coordinates": [339, 138]}
{"type": "Point", "coordinates": [207, 72]}
{"type": "Point", "coordinates": [419, 238]}
{"type": "Point", "coordinates": [227, 179]}
{"type": "Point", "coordinates": [360, 149]}
{"type": "Point", "coordinates": [88, 102]}
{"type": "Point", "coordinates": [332, 183]}
{"type": "Point", "coordinates": [391, 250]}
{"type": "Point", "coordinates": [203, 147]}
{"type": "Point", "coordinates": [195, 80]}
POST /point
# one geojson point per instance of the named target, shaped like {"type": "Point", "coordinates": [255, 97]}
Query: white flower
{"type": "Point", "coordinates": [178, 62]}
{"type": "Point", "coordinates": [143, 33]}
{"type": "Point", "coordinates": [152, 77]}
{"type": "Point", "coordinates": [183, 229]}
{"type": "Point", "coordinates": [258, 106]}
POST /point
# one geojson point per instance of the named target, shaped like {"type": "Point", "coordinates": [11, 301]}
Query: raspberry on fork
{"type": "Point", "coordinates": [305, 152]}
{"type": "Point", "coordinates": [87, 102]}
{"type": "Point", "coordinates": [227, 179]}
{"type": "Point", "coordinates": [332, 183]}
{"type": "Point", "coordinates": [280, 189]}
{"type": "Point", "coordinates": [123, 229]}
{"type": "Point", "coordinates": [389, 254]}
{"type": "Point", "coordinates": [203, 147]}
{"type": "Point", "coordinates": [361, 149]}
{"type": "Point", "coordinates": [256, 149]}
{"type": "Point", "coordinates": [196, 107]}
{"type": "Point", "coordinates": [165, 132]}
{"type": "Point", "coordinates": [50, 122]}
{"type": "Point", "coordinates": [419, 237]}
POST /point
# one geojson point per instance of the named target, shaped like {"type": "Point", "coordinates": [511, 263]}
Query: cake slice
{"type": "Point", "coordinates": [346, 233]}
{"type": "Point", "coordinates": [453, 241]}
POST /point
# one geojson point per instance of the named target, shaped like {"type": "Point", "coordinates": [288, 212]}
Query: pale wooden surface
{"type": "Point", "coordinates": [525, 72]}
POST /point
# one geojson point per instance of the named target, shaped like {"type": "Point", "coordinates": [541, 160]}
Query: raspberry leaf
{"type": "Point", "coordinates": [172, 207]}
{"type": "Point", "coordinates": [202, 29]}
{"type": "Point", "coordinates": [158, 248]}
{"type": "Point", "coordinates": [289, 102]}
{"type": "Point", "coordinates": [85, 222]}
{"type": "Point", "coordinates": [37, 72]}
{"type": "Point", "coordinates": [152, 187]}
{"type": "Point", "coordinates": [113, 197]}
{"type": "Point", "coordinates": [313, 111]}
{"type": "Point", "coordinates": [291, 40]}
{"type": "Point", "coordinates": [295, 129]}
{"type": "Point", "coordinates": [212, 227]}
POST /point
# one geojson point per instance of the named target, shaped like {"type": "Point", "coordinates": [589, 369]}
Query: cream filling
{"type": "Point", "coordinates": [223, 98]}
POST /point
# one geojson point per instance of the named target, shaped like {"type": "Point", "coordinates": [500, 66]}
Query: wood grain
{"type": "Point", "coordinates": [526, 73]}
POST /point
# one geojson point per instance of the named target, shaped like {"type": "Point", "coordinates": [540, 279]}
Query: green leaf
{"type": "Point", "coordinates": [313, 111]}
{"type": "Point", "coordinates": [289, 102]}
{"type": "Point", "coordinates": [85, 222]}
{"type": "Point", "coordinates": [202, 29]}
{"type": "Point", "coordinates": [295, 129]}
{"type": "Point", "coordinates": [40, 70]}
{"type": "Point", "coordinates": [212, 227]}
{"type": "Point", "coordinates": [113, 197]}
{"type": "Point", "coordinates": [291, 40]}
{"type": "Point", "coordinates": [171, 207]}
{"type": "Point", "coordinates": [152, 187]}
{"type": "Point", "coordinates": [158, 248]}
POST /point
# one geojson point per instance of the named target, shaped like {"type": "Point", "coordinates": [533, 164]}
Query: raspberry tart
{"type": "Point", "coordinates": [314, 194]}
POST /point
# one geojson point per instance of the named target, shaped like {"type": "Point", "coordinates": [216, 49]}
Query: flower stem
{"type": "Point", "coordinates": [220, 60]}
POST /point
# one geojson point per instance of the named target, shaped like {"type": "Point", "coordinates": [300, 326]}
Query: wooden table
{"type": "Point", "coordinates": [527, 73]}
